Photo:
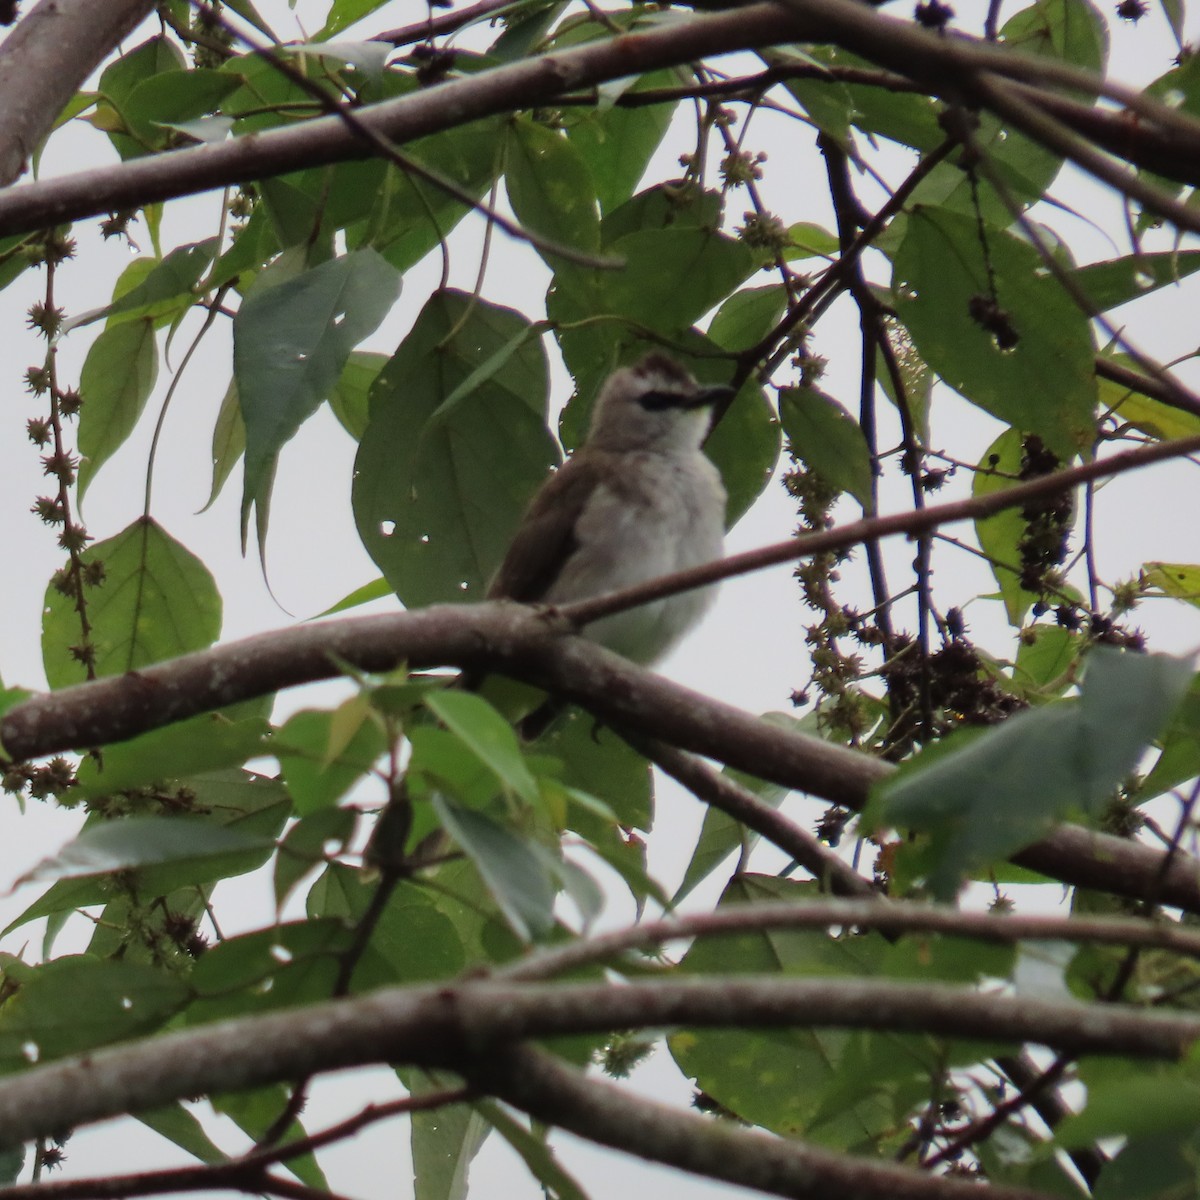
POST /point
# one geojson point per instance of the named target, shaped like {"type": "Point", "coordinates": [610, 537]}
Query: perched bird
{"type": "Point", "coordinates": [638, 500]}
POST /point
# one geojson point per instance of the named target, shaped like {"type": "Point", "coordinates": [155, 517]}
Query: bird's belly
{"type": "Point", "coordinates": [678, 527]}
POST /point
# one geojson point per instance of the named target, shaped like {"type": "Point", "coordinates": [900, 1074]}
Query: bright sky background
{"type": "Point", "coordinates": [749, 651]}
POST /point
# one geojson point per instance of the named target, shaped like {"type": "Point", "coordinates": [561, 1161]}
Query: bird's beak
{"type": "Point", "coordinates": [716, 394]}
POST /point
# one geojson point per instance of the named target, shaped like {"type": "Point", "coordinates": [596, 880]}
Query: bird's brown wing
{"type": "Point", "coordinates": [546, 537]}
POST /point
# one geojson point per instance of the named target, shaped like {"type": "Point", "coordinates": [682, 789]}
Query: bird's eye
{"type": "Point", "coordinates": [657, 401]}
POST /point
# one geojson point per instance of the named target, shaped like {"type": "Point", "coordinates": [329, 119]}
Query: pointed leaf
{"type": "Point", "coordinates": [488, 736]}
{"type": "Point", "coordinates": [157, 601]}
{"type": "Point", "coordinates": [828, 439]}
{"type": "Point", "coordinates": [513, 873]}
{"type": "Point", "coordinates": [132, 842]}
{"type": "Point", "coordinates": [1045, 382]}
{"type": "Point", "coordinates": [550, 187]}
{"type": "Point", "coordinates": [116, 381]}
{"type": "Point", "coordinates": [437, 503]}
{"type": "Point", "coordinates": [1001, 790]}
{"type": "Point", "coordinates": [290, 343]}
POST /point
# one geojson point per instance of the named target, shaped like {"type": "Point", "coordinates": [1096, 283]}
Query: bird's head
{"type": "Point", "coordinates": [655, 404]}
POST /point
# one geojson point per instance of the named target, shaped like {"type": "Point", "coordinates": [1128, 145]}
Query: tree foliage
{"type": "Point", "coordinates": [853, 1024]}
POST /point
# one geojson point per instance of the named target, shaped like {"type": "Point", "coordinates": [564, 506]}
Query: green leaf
{"type": "Point", "coordinates": [344, 13]}
{"type": "Point", "coordinates": [149, 288]}
{"type": "Point", "coordinates": [409, 217]}
{"type": "Point", "coordinates": [774, 1078]}
{"type": "Point", "coordinates": [278, 967]}
{"type": "Point", "coordinates": [413, 943]}
{"type": "Point", "coordinates": [828, 103]}
{"type": "Point", "coordinates": [1119, 280]}
{"type": "Point", "coordinates": [377, 589]}
{"type": "Point", "coordinates": [806, 240]}
{"type": "Point", "coordinates": [290, 343]}
{"type": "Point", "coordinates": [515, 876]}
{"type": "Point", "coordinates": [663, 206]}
{"type": "Point", "coordinates": [203, 743]}
{"type": "Point", "coordinates": [1173, 11]}
{"type": "Point", "coordinates": [311, 841]}
{"type": "Point", "coordinates": [1154, 418]}
{"type": "Point", "coordinates": [255, 1111]}
{"type": "Point", "coordinates": [1071, 31]}
{"type": "Point", "coordinates": [828, 439]}
{"type": "Point", "coordinates": [436, 503]}
{"type": "Point", "coordinates": [1179, 760]}
{"type": "Point", "coordinates": [647, 289]}
{"type": "Point", "coordinates": [317, 771]}
{"type": "Point", "coordinates": [157, 601]}
{"type": "Point", "coordinates": [1157, 1166]}
{"type": "Point", "coordinates": [158, 55]}
{"type": "Point", "coordinates": [744, 447]}
{"type": "Point", "coordinates": [179, 1126]}
{"type": "Point", "coordinates": [148, 58]}
{"type": "Point", "coordinates": [911, 119]}
{"type": "Point", "coordinates": [617, 143]}
{"type": "Point", "coordinates": [535, 1153]}
{"type": "Point", "coordinates": [249, 804]}
{"type": "Point", "coordinates": [438, 764]}
{"type": "Point", "coordinates": [228, 441]}
{"type": "Point", "coordinates": [720, 835]}
{"type": "Point", "coordinates": [984, 797]}
{"type": "Point", "coordinates": [550, 188]}
{"type": "Point", "coordinates": [116, 381]}
{"type": "Point", "coordinates": [11, 1163]}
{"type": "Point", "coordinates": [445, 1140]}
{"type": "Point", "coordinates": [1181, 581]}
{"type": "Point", "coordinates": [488, 736]}
{"type": "Point", "coordinates": [1046, 658]}
{"type": "Point", "coordinates": [1045, 383]}
{"type": "Point", "coordinates": [1000, 535]}
{"type": "Point", "coordinates": [44, 1018]}
{"type": "Point", "coordinates": [132, 842]}
{"type": "Point", "coordinates": [171, 98]}
{"type": "Point", "coordinates": [1153, 1100]}
{"type": "Point", "coordinates": [747, 317]}
{"type": "Point", "coordinates": [252, 248]}
{"type": "Point", "coordinates": [349, 400]}
{"type": "Point", "coordinates": [598, 762]}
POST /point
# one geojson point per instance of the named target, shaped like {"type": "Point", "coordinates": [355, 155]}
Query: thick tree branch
{"type": "Point", "coordinates": [910, 523]}
{"type": "Point", "coordinates": [950, 67]}
{"type": "Point", "coordinates": [45, 59]}
{"type": "Point", "coordinates": [518, 641]}
{"type": "Point", "coordinates": [454, 1026]}
{"type": "Point", "coordinates": [885, 916]}
{"type": "Point", "coordinates": [602, 1112]}
{"type": "Point", "coordinates": [723, 793]}
{"type": "Point", "coordinates": [505, 637]}
{"type": "Point", "coordinates": [326, 140]}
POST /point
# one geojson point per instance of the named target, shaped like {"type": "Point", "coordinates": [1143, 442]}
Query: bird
{"type": "Point", "coordinates": [639, 499]}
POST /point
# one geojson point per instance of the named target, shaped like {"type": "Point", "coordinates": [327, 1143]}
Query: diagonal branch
{"type": "Point", "coordinates": [459, 1026]}
{"type": "Point", "coordinates": [949, 67]}
{"type": "Point", "coordinates": [497, 637]}
{"type": "Point", "coordinates": [547, 1089]}
{"type": "Point", "coordinates": [44, 59]}
{"type": "Point", "coordinates": [885, 916]}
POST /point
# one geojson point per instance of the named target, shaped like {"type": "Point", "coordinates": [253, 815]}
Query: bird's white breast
{"type": "Point", "coordinates": [664, 514]}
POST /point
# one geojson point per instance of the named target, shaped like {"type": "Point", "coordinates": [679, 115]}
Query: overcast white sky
{"type": "Point", "coordinates": [749, 650]}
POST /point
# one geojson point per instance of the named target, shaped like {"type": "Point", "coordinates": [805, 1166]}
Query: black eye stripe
{"type": "Point", "coordinates": [658, 401]}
